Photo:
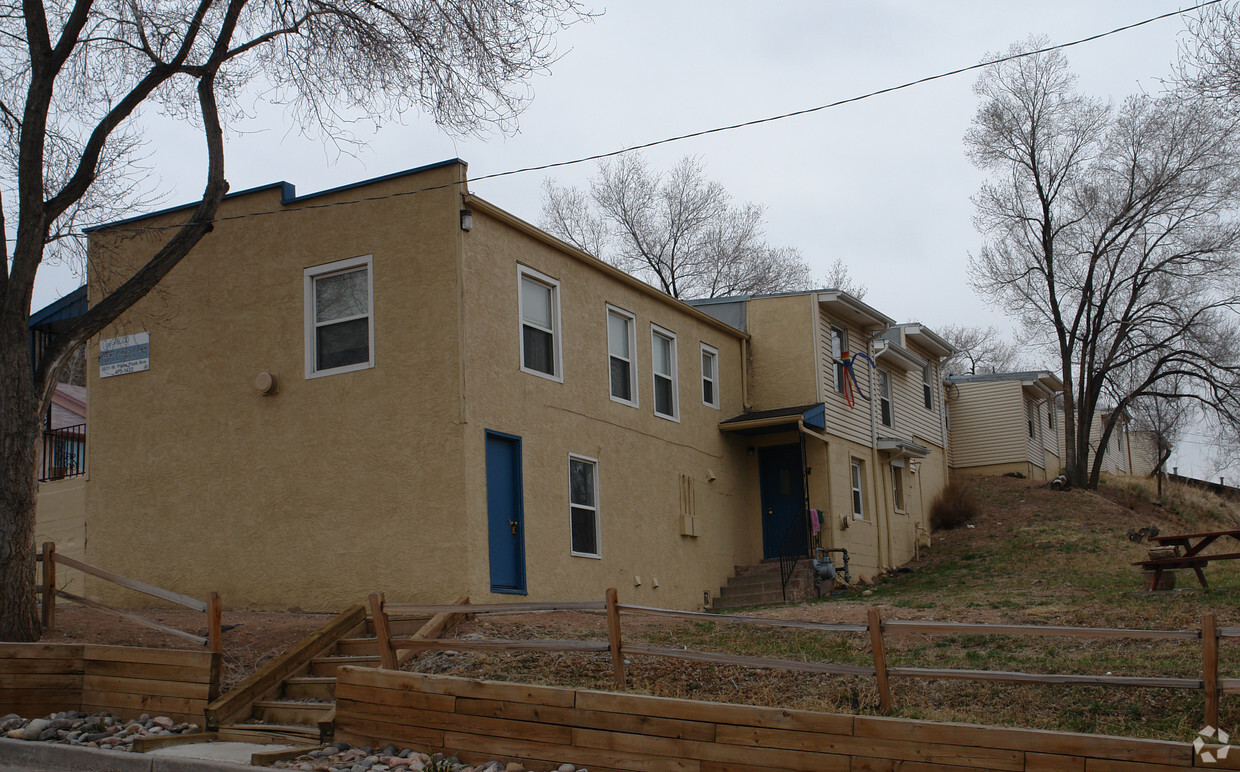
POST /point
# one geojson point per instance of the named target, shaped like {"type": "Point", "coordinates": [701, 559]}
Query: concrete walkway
{"type": "Point", "coordinates": [195, 757]}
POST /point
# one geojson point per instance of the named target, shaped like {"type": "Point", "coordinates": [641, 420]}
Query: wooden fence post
{"type": "Point", "coordinates": [613, 636]}
{"type": "Point", "coordinates": [49, 585]}
{"type": "Point", "coordinates": [1209, 666]}
{"type": "Point", "coordinates": [880, 659]}
{"type": "Point", "coordinates": [383, 632]}
{"type": "Point", "coordinates": [215, 621]}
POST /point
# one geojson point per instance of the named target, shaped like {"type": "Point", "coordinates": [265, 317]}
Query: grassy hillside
{"type": "Point", "coordinates": [1033, 556]}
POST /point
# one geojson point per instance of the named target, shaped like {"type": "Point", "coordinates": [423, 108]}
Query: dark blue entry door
{"type": "Point", "coordinates": [783, 497]}
{"type": "Point", "coordinates": [505, 520]}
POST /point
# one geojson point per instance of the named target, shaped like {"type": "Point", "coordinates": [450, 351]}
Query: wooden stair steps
{"type": "Point", "coordinates": [291, 734]}
{"type": "Point", "coordinates": [354, 646]}
{"type": "Point", "coordinates": [290, 712]}
{"type": "Point", "coordinates": [401, 626]}
{"type": "Point", "coordinates": [326, 666]}
{"type": "Point", "coordinates": [310, 687]}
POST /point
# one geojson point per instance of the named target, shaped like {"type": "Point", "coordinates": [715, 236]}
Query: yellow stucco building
{"type": "Point", "coordinates": [398, 386]}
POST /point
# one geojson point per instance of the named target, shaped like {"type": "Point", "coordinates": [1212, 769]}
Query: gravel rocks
{"type": "Point", "coordinates": [90, 730]}
{"type": "Point", "coordinates": [102, 730]}
{"type": "Point", "coordinates": [343, 757]}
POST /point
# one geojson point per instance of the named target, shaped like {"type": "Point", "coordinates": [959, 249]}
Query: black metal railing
{"type": "Point", "coordinates": [64, 453]}
{"type": "Point", "coordinates": [793, 548]}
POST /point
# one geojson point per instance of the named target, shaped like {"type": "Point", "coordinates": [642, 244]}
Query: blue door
{"type": "Point", "coordinates": [505, 521]}
{"type": "Point", "coordinates": [783, 499]}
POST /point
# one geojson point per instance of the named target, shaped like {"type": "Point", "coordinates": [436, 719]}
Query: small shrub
{"type": "Point", "coordinates": [954, 507]}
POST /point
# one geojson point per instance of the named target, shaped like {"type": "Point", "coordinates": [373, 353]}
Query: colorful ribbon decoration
{"type": "Point", "coordinates": [852, 387]}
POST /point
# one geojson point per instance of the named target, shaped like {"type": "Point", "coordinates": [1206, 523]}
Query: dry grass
{"type": "Point", "coordinates": [1033, 556]}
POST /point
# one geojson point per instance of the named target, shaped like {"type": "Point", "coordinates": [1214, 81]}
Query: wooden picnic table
{"type": "Point", "coordinates": [1193, 545]}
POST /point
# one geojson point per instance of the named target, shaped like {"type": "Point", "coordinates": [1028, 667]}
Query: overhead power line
{"type": "Point", "coordinates": [721, 129]}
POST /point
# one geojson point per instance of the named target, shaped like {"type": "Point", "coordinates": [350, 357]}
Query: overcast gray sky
{"type": "Point", "coordinates": [883, 183]}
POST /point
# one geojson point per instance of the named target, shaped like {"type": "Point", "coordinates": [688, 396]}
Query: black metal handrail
{"type": "Point", "coordinates": [64, 453]}
{"type": "Point", "coordinates": [788, 557]}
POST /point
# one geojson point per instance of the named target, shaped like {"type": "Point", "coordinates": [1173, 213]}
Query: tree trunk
{"type": "Point", "coordinates": [19, 435]}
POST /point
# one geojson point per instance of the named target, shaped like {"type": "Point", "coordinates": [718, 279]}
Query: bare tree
{"type": "Point", "coordinates": [74, 80]}
{"type": "Point", "coordinates": [979, 349]}
{"type": "Point", "coordinates": [1112, 231]}
{"type": "Point", "coordinates": [838, 277]}
{"type": "Point", "coordinates": [678, 231]}
{"type": "Point", "coordinates": [1163, 422]}
{"type": "Point", "coordinates": [1209, 62]}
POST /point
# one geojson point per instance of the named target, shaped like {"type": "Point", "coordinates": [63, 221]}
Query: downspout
{"type": "Point", "coordinates": [882, 526]}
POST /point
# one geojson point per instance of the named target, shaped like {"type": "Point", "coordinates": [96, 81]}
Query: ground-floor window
{"type": "Point", "coordinates": [583, 506]}
{"type": "Point", "coordinates": [897, 487]}
{"type": "Point", "coordinates": [858, 497]}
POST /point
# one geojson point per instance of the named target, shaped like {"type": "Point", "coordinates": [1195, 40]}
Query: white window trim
{"type": "Point", "coordinates": [891, 405]}
{"type": "Point", "coordinates": [598, 528]}
{"type": "Point", "coordinates": [927, 386]}
{"type": "Point", "coordinates": [898, 496]}
{"type": "Point", "coordinates": [856, 486]}
{"type": "Point", "coordinates": [633, 381]}
{"type": "Point", "coordinates": [319, 271]}
{"type": "Point", "coordinates": [657, 331]}
{"type": "Point", "coordinates": [556, 331]}
{"type": "Point", "coordinates": [714, 379]}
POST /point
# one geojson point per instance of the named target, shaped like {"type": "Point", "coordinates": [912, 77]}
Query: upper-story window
{"type": "Point", "coordinates": [1031, 412]}
{"type": "Point", "coordinates": [1050, 417]}
{"type": "Point", "coordinates": [663, 363]}
{"type": "Point", "coordinates": [621, 348]}
{"type": "Point", "coordinates": [540, 324]}
{"type": "Point", "coordinates": [339, 303]}
{"type": "Point", "coordinates": [884, 397]}
{"type": "Point", "coordinates": [710, 376]}
{"type": "Point", "coordinates": [927, 384]}
{"type": "Point", "coordinates": [839, 344]}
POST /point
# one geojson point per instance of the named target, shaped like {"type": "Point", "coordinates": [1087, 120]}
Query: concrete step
{"type": "Point", "coordinates": [285, 712]}
{"type": "Point", "coordinates": [310, 687]}
{"type": "Point", "coordinates": [326, 666]}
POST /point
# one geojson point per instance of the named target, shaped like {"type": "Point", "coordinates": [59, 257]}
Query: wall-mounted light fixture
{"type": "Point", "coordinates": [467, 220]}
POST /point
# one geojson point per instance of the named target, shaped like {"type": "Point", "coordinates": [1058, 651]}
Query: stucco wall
{"type": "Point", "coordinates": [643, 460]}
{"type": "Point", "coordinates": [61, 518]}
{"type": "Point", "coordinates": [782, 352]}
{"type": "Point", "coordinates": [330, 488]}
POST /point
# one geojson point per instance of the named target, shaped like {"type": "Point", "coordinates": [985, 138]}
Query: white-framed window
{"type": "Point", "coordinates": [858, 494]}
{"type": "Point", "coordinates": [839, 344]}
{"type": "Point", "coordinates": [1050, 416]}
{"type": "Point", "coordinates": [583, 506]}
{"type": "Point", "coordinates": [897, 487]}
{"type": "Point", "coordinates": [339, 307]}
{"type": "Point", "coordinates": [927, 385]}
{"type": "Point", "coordinates": [710, 376]}
{"type": "Point", "coordinates": [540, 324]}
{"type": "Point", "coordinates": [884, 398]}
{"type": "Point", "coordinates": [1030, 416]}
{"type": "Point", "coordinates": [663, 364]}
{"type": "Point", "coordinates": [622, 355]}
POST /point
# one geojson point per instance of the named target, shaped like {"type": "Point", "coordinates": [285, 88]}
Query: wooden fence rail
{"type": "Point", "coordinates": [876, 628]}
{"type": "Point", "coordinates": [48, 558]}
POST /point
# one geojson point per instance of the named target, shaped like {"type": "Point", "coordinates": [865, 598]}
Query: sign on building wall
{"type": "Point", "coordinates": [127, 354]}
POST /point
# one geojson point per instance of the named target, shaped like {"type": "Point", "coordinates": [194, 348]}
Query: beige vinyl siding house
{"type": "Point", "coordinates": [880, 477]}
{"type": "Point", "coordinates": [1116, 456]}
{"type": "Point", "coordinates": [999, 423]}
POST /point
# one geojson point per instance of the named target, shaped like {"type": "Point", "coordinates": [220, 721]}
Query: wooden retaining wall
{"type": "Point", "coordinates": [41, 678]}
{"type": "Point", "coordinates": [608, 732]}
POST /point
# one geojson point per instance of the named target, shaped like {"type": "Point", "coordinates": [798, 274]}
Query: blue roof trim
{"type": "Point", "coordinates": [288, 193]}
{"type": "Point", "coordinates": [816, 417]}
{"type": "Point", "coordinates": [71, 305]}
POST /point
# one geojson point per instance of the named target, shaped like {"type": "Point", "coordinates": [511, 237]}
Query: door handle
{"type": "Point", "coordinates": [513, 525]}
{"type": "Point", "coordinates": [770, 511]}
